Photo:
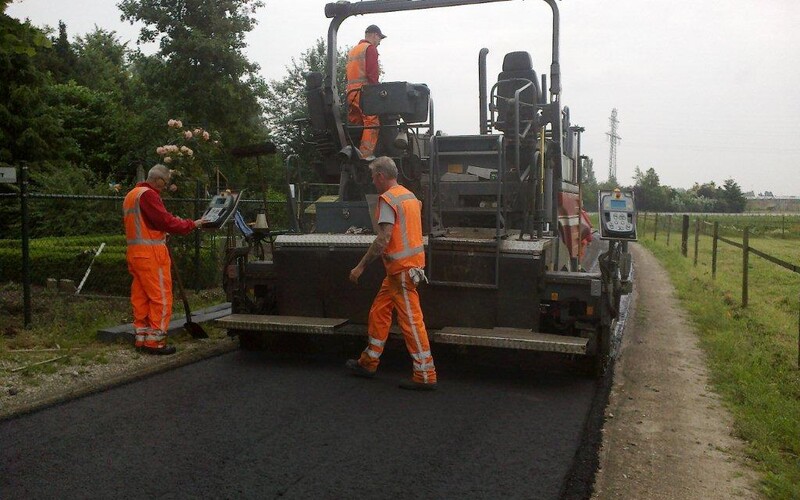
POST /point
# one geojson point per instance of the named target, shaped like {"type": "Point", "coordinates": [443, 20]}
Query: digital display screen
{"type": "Point", "coordinates": [618, 204]}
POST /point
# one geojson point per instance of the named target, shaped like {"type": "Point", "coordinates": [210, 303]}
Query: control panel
{"type": "Point", "coordinates": [220, 209]}
{"type": "Point", "coordinates": [617, 215]}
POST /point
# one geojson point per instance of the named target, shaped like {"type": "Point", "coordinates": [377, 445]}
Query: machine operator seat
{"type": "Point", "coordinates": [517, 72]}
{"type": "Point", "coordinates": [322, 122]}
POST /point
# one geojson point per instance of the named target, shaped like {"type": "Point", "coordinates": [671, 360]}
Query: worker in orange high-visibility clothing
{"type": "Point", "coordinates": [147, 223]}
{"type": "Point", "coordinates": [363, 68]}
{"type": "Point", "coordinates": [399, 243]}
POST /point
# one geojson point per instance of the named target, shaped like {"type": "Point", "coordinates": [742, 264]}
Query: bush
{"type": "Point", "coordinates": [68, 258]}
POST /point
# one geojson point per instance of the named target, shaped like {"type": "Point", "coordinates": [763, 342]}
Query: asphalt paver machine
{"type": "Point", "coordinates": [501, 216]}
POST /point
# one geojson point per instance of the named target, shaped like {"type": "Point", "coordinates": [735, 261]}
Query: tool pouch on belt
{"type": "Point", "coordinates": [417, 275]}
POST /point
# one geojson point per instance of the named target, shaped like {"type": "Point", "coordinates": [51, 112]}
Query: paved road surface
{"type": "Point", "coordinates": [291, 426]}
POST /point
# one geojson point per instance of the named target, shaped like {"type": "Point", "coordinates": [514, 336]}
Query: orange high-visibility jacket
{"type": "Point", "coordinates": [357, 66]}
{"type": "Point", "coordinates": [405, 249]}
{"type": "Point", "coordinates": [142, 241]}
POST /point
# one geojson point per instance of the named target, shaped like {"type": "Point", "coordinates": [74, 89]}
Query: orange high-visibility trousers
{"type": "Point", "coordinates": [151, 298]}
{"type": "Point", "coordinates": [369, 137]}
{"type": "Point", "coordinates": [399, 293]}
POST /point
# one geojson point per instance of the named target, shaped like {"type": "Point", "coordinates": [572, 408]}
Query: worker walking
{"type": "Point", "coordinates": [147, 223]}
{"type": "Point", "coordinates": [363, 68]}
{"type": "Point", "coordinates": [399, 243]}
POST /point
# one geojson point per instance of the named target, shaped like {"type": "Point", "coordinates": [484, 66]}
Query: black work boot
{"type": "Point", "coordinates": [356, 369]}
{"type": "Point", "coordinates": [416, 386]}
{"type": "Point", "coordinates": [162, 351]}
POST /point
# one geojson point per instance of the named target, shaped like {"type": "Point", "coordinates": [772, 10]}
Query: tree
{"type": "Point", "coordinates": [590, 186]}
{"type": "Point", "coordinates": [286, 101]}
{"type": "Point", "coordinates": [26, 127]}
{"type": "Point", "coordinates": [705, 190]}
{"type": "Point", "coordinates": [59, 58]}
{"type": "Point", "coordinates": [650, 195]}
{"type": "Point", "coordinates": [102, 62]}
{"type": "Point", "coordinates": [200, 71]}
{"type": "Point", "coordinates": [732, 197]}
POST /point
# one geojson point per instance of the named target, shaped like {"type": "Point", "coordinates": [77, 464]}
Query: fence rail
{"type": "Point", "coordinates": [785, 222]}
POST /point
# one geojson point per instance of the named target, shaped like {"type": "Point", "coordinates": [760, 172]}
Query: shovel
{"type": "Point", "coordinates": [195, 330]}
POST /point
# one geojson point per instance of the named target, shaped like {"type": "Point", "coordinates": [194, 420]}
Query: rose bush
{"type": "Point", "coordinates": [189, 150]}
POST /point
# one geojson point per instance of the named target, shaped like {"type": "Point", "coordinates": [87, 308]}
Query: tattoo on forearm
{"type": "Point", "coordinates": [375, 249]}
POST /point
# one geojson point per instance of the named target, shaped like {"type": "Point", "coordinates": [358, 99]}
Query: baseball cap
{"type": "Point", "coordinates": [374, 29]}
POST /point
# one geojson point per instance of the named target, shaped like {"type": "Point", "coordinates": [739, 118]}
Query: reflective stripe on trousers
{"type": "Point", "coordinates": [399, 293]}
{"type": "Point", "coordinates": [369, 137]}
{"type": "Point", "coordinates": [151, 298]}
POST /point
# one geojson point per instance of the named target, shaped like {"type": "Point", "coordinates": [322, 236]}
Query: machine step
{"type": "Point", "coordinates": [512, 338]}
{"type": "Point", "coordinates": [287, 324]}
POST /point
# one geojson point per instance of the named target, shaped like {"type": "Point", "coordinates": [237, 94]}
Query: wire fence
{"type": "Point", "coordinates": [746, 233]}
{"type": "Point", "coordinates": [75, 244]}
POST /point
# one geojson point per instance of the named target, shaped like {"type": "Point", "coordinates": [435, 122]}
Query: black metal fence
{"type": "Point", "coordinates": [75, 244]}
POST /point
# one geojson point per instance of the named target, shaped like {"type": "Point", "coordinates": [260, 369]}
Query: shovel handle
{"type": "Point", "coordinates": [178, 280]}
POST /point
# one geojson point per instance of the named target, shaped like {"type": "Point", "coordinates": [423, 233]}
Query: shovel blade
{"type": "Point", "coordinates": [195, 330]}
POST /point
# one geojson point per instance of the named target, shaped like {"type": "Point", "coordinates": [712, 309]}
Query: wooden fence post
{"type": "Point", "coordinates": [783, 225]}
{"type": "Point", "coordinates": [745, 259]}
{"type": "Point", "coordinates": [714, 251]}
{"type": "Point", "coordinates": [644, 224]}
{"type": "Point", "coordinates": [655, 228]}
{"type": "Point", "coordinates": [669, 227]}
{"type": "Point", "coordinates": [696, 239]}
{"type": "Point", "coordinates": [685, 236]}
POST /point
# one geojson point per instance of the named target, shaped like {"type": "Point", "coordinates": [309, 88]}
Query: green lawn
{"type": "Point", "coordinates": [753, 351]}
{"type": "Point", "coordinates": [69, 323]}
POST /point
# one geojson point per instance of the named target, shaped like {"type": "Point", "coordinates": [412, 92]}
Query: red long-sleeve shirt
{"type": "Point", "coordinates": [156, 216]}
{"type": "Point", "coordinates": [371, 64]}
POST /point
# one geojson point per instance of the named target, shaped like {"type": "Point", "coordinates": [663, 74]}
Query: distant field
{"type": "Point", "coordinates": [774, 205]}
{"type": "Point", "coordinates": [782, 226]}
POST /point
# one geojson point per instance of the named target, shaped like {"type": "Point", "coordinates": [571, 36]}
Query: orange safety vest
{"type": "Point", "coordinates": [357, 66]}
{"type": "Point", "coordinates": [405, 249]}
{"type": "Point", "coordinates": [142, 241]}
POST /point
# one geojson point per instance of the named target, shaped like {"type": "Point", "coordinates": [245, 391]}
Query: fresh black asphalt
{"type": "Point", "coordinates": [261, 425]}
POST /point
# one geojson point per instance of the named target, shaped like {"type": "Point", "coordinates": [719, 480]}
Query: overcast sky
{"type": "Point", "coordinates": [705, 90]}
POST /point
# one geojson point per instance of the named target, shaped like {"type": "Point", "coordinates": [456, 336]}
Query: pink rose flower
{"type": "Point", "coordinates": [167, 160]}
{"type": "Point", "coordinates": [187, 134]}
{"type": "Point", "coordinates": [206, 136]}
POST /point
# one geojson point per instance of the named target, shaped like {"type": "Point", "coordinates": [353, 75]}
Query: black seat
{"type": "Point", "coordinates": [517, 72]}
{"type": "Point", "coordinates": [322, 122]}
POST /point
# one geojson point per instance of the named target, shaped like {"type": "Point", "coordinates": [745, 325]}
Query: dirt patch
{"type": "Point", "coordinates": [666, 434]}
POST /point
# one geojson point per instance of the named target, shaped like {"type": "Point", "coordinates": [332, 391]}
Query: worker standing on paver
{"type": "Point", "coordinates": [147, 223]}
{"type": "Point", "coordinates": [363, 69]}
{"type": "Point", "coordinates": [399, 243]}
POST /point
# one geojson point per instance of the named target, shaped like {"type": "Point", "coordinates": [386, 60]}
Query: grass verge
{"type": "Point", "coordinates": [752, 352]}
{"type": "Point", "coordinates": [63, 331]}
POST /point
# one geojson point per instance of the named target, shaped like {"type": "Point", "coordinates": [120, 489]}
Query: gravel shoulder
{"type": "Point", "coordinates": [667, 434]}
